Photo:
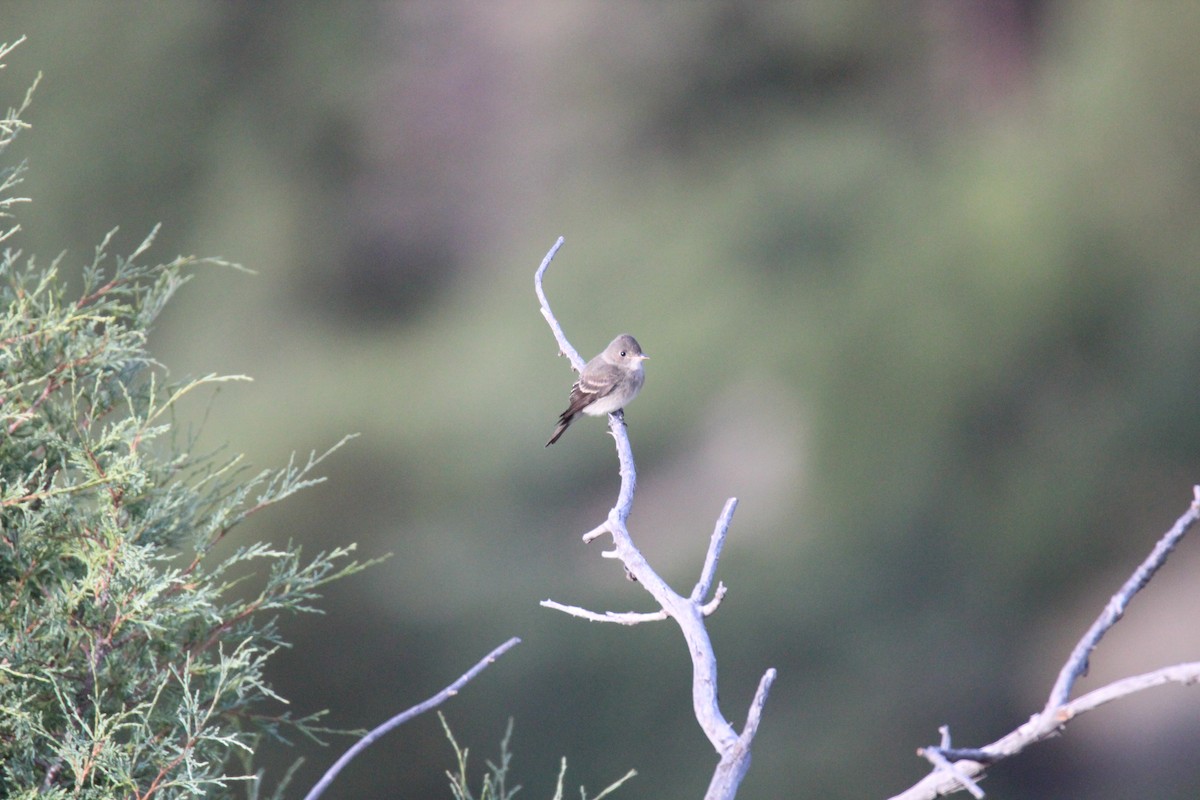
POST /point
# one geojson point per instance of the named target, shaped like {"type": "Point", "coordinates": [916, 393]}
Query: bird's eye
{"type": "Point", "coordinates": [622, 354]}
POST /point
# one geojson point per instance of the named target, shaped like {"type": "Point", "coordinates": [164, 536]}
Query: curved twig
{"type": "Point", "coordinates": [405, 716]}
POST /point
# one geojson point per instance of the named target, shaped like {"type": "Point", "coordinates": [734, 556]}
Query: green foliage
{"type": "Point", "coordinates": [131, 657]}
{"type": "Point", "coordinates": [493, 786]}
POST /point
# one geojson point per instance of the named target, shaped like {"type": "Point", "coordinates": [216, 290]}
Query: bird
{"type": "Point", "coordinates": [607, 383]}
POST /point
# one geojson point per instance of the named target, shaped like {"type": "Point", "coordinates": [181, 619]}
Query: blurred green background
{"type": "Point", "coordinates": [919, 282]}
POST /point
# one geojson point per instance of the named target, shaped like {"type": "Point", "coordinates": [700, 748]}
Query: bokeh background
{"type": "Point", "coordinates": [920, 285]}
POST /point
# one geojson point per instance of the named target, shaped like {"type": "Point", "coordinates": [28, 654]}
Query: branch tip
{"type": "Point", "coordinates": [596, 532]}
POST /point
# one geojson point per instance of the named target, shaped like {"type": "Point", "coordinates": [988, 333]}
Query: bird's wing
{"type": "Point", "coordinates": [595, 383]}
{"type": "Point", "coordinates": [579, 401]}
{"type": "Point", "coordinates": [599, 380]}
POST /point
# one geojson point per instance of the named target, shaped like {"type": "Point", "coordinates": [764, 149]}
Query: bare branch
{"type": "Point", "coordinates": [756, 705]}
{"type": "Point", "coordinates": [564, 347]}
{"type": "Point", "coordinates": [969, 763]}
{"type": "Point", "coordinates": [708, 572]}
{"type": "Point", "coordinates": [1184, 674]}
{"type": "Point", "coordinates": [405, 716]}
{"type": "Point", "coordinates": [735, 760]}
{"type": "Point", "coordinates": [688, 612]}
{"type": "Point", "coordinates": [619, 617]}
{"type": "Point", "coordinates": [1077, 664]}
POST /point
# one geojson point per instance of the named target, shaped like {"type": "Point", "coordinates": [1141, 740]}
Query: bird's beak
{"type": "Point", "coordinates": [643, 357]}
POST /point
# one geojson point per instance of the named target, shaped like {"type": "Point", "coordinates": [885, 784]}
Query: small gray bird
{"type": "Point", "coordinates": [607, 383]}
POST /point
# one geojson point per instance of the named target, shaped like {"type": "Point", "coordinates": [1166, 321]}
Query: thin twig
{"type": "Point", "coordinates": [619, 617]}
{"type": "Point", "coordinates": [564, 347]}
{"type": "Point", "coordinates": [1185, 674]}
{"type": "Point", "coordinates": [756, 705]}
{"type": "Point", "coordinates": [405, 716]}
{"type": "Point", "coordinates": [708, 572]}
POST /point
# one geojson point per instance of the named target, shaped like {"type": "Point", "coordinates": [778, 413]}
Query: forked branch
{"type": "Point", "coordinates": [956, 769]}
{"type": "Point", "coordinates": [688, 612]}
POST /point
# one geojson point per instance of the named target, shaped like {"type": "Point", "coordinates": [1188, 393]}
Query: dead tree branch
{"type": "Point", "coordinates": [688, 612]}
{"type": "Point", "coordinates": [405, 716]}
{"type": "Point", "coordinates": [957, 769]}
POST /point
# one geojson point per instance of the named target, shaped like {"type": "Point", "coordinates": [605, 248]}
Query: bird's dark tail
{"type": "Point", "coordinates": [563, 422]}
